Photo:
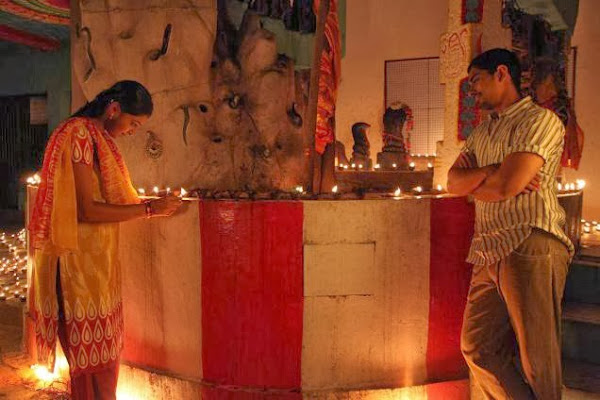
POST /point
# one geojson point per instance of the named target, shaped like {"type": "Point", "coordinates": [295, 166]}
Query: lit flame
{"type": "Point", "coordinates": [377, 166]}
{"type": "Point", "coordinates": [398, 192]}
{"type": "Point", "coordinates": [182, 192]}
{"type": "Point", "coordinates": [394, 165]}
{"type": "Point", "coordinates": [429, 165]}
{"type": "Point", "coordinates": [142, 191]}
{"type": "Point", "coordinates": [35, 179]}
{"type": "Point", "coordinates": [418, 189]}
{"type": "Point", "coordinates": [334, 189]}
{"type": "Point", "coordinates": [580, 184]}
{"type": "Point", "coordinates": [61, 369]}
{"type": "Point", "coordinates": [439, 188]}
{"type": "Point", "coordinates": [155, 189]}
{"type": "Point", "coordinates": [299, 189]}
{"type": "Point", "coordinates": [43, 374]}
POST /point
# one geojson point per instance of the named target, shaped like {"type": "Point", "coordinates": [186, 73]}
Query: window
{"type": "Point", "coordinates": [416, 83]}
{"type": "Point", "coordinates": [22, 143]}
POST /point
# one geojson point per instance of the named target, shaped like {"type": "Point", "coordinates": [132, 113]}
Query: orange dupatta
{"type": "Point", "coordinates": [54, 225]}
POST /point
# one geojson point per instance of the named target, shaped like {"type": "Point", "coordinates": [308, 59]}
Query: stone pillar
{"type": "Point", "coordinates": [77, 96]}
{"type": "Point", "coordinates": [473, 27]}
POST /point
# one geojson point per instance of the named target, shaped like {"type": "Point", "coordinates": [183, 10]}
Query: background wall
{"type": "Point", "coordinates": [587, 102]}
{"type": "Point", "coordinates": [24, 70]}
{"type": "Point", "coordinates": [409, 30]}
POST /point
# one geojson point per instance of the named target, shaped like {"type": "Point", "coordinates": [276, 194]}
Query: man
{"type": "Point", "coordinates": [520, 252]}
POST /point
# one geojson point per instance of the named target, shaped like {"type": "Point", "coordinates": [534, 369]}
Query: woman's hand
{"type": "Point", "coordinates": [165, 206]}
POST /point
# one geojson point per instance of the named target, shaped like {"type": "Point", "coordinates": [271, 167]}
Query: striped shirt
{"type": "Point", "coordinates": [502, 226]}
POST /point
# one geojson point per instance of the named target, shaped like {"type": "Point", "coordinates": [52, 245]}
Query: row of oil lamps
{"type": "Point", "coordinates": [13, 266]}
{"type": "Point", "coordinates": [156, 191]}
{"type": "Point", "coordinates": [377, 167]}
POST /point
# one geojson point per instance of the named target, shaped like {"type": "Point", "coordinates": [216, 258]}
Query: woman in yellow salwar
{"type": "Point", "coordinates": [85, 192]}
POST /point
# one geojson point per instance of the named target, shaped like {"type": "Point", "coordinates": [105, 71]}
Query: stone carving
{"type": "Point", "coordinates": [455, 53]}
{"type": "Point", "coordinates": [361, 151]}
{"type": "Point", "coordinates": [154, 146]}
{"type": "Point", "coordinates": [229, 111]}
{"type": "Point", "coordinates": [258, 109]}
{"type": "Point", "coordinates": [394, 154]}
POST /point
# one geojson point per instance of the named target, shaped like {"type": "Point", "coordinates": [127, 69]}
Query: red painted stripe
{"type": "Point", "coordinates": [252, 293]}
{"type": "Point", "coordinates": [452, 222]}
{"type": "Point", "coordinates": [457, 390]}
{"type": "Point", "coordinates": [28, 39]}
{"type": "Point", "coordinates": [212, 393]}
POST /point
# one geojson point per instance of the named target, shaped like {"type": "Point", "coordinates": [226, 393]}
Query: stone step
{"type": "Point", "coordinates": [582, 312]}
{"type": "Point", "coordinates": [583, 281]}
{"type": "Point", "coordinates": [589, 252]}
{"type": "Point", "coordinates": [581, 332]}
{"type": "Point", "coordinates": [573, 394]}
{"type": "Point", "coordinates": [581, 376]}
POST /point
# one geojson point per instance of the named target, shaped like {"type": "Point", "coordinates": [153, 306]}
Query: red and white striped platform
{"type": "Point", "coordinates": [297, 298]}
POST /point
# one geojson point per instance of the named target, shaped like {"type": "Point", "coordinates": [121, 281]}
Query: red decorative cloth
{"type": "Point", "coordinates": [329, 78]}
{"type": "Point", "coordinates": [574, 136]}
{"type": "Point", "coordinates": [50, 12]}
{"type": "Point", "coordinates": [10, 34]}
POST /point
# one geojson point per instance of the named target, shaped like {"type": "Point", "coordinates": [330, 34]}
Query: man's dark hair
{"type": "Point", "coordinates": [490, 61]}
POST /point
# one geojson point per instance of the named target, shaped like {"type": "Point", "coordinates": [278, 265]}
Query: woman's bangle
{"type": "Point", "coordinates": [149, 212]}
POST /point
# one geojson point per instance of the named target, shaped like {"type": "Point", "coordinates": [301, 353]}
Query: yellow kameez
{"type": "Point", "coordinates": [90, 276]}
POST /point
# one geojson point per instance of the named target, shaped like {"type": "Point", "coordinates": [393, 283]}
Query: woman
{"type": "Point", "coordinates": [85, 192]}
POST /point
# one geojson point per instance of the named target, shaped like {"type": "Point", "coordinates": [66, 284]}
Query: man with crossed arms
{"type": "Point", "coordinates": [520, 253]}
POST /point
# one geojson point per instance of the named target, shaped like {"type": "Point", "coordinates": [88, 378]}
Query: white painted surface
{"type": "Point", "coordinates": [161, 269]}
{"type": "Point", "coordinates": [374, 339]}
{"type": "Point", "coordinates": [339, 269]}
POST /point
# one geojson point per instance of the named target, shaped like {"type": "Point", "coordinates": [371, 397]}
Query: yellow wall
{"type": "Point", "coordinates": [377, 31]}
{"type": "Point", "coordinates": [587, 102]}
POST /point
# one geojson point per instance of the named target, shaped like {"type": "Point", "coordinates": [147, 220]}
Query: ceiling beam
{"type": "Point", "coordinates": [28, 39]}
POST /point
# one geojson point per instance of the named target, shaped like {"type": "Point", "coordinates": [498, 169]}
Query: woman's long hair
{"type": "Point", "coordinates": [132, 96]}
